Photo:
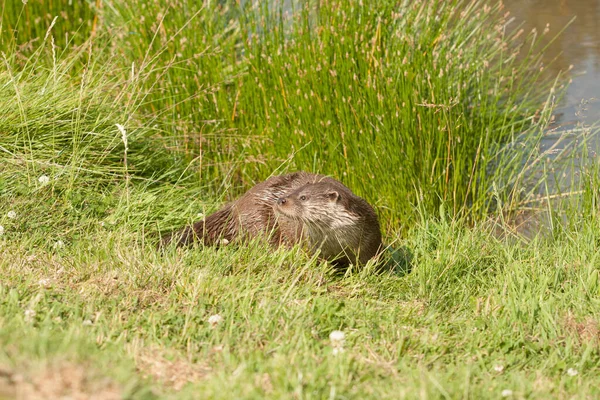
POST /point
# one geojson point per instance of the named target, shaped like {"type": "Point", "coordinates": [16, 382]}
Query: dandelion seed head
{"type": "Point", "coordinates": [11, 214]}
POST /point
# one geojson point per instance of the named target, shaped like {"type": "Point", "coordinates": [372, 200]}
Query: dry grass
{"type": "Point", "coordinates": [57, 380]}
{"type": "Point", "coordinates": [173, 372]}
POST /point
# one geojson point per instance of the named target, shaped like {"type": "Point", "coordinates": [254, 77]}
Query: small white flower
{"type": "Point", "coordinates": [224, 242]}
{"type": "Point", "coordinates": [1, 230]}
{"type": "Point", "coordinates": [29, 315]}
{"type": "Point", "coordinates": [498, 368]}
{"type": "Point", "coordinates": [11, 215]}
{"type": "Point", "coordinates": [59, 244]}
{"type": "Point", "coordinates": [506, 393]}
{"type": "Point", "coordinates": [45, 282]}
{"type": "Point", "coordinates": [200, 215]}
{"type": "Point", "coordinates": [87, 322]}
{"type": "Point", "coordinates": [44, 179]}
{"type": "Point", "coordinates": [337, 338]}
{"type": "Point", "coordinates": [572, 372]}
{"type": "Point", "coordinates": [215, 320]}
{"type": "Point", "coordinates": [101, 223]}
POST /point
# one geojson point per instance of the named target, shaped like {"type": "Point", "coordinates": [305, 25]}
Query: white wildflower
{"type": "Point", "coordinates": [572, 372]}
{"type": "Point", "coordinates": [506, 393]}
{"type": "Point", "coordinates": [1, 230]}
{"type": "Point", "coordinates": [44, 179]}
{"type": "Point", "coordinates": [224, 242]}
{"type": "Point", "coordinates": [215, 320]}
{"type": "Point", "coordinates": [498, 368]}
{"type": "Point", "coordinates": [87, 322]}
{"type": "Point", "coordinates": [59, 244]}
{"type": "Point", "coordinates": [29, 315]}
{"type": "Point", "coordinates": [11, 215]}
{"type": "Point", "coordinates": [45, 282]}
{"type": "Point", "coordinates": [337, 339]}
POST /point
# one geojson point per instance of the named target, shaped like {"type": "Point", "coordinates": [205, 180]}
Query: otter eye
{"type": "Point", "coordinates": [303, 198]}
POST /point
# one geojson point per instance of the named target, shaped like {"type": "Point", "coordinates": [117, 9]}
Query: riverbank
{"type": "Point", "coordinates": [126, 120]}
{"type": "Point", "coordinates": [477, 317]}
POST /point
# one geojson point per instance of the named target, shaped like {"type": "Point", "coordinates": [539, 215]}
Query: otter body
{"type": "Point", "coordinates": [301, 207]}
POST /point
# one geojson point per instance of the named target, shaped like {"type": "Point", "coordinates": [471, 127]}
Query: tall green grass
{"type": "Point", "coordinates": [410, 103]}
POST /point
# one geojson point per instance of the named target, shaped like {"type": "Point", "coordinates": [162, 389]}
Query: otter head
{"type": "Point", "coordinates": [340, 225]}
{"type": "Point", "coordinates": [321, 204]}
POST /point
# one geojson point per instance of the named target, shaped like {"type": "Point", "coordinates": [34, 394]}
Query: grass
{"type": "Point", "coordinates": [477, 316]}
{"type": "Point", "coordinates": [122, 120]}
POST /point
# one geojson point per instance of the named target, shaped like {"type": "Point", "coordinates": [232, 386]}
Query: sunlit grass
{"type": "Point", "coordinates": [124, 120]}
{"type": "Point", "coordinates": [407, 103]}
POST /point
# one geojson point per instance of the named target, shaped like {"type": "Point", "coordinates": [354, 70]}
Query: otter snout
{"type": "Point", "coordinates": [281, 201]}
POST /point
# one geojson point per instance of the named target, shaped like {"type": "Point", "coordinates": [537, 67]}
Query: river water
{"type": "Point", "coordinates": [578, 45]}
{"type": "Point", "coordinates": [575, 51]}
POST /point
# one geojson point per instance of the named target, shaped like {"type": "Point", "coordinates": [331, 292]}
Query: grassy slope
{"type": "Point", "coordinates": [87, 305]}
{"type": "Point", "coordinates": [471, 304]}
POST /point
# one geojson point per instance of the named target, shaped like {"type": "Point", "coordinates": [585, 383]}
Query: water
{"type": "Point", "coordinates": [578, 45]}
{"type": "Point", "coordinates": [575, 53]}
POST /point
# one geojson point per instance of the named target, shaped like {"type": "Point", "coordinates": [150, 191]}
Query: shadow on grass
{"type": "Point", "coordinates": [398, 261]}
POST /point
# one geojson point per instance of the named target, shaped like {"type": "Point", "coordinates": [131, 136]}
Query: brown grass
{"type": "Point", "coordinates": [60, 380]}
{"type": "Point", "coordinates": [174, 373]}
{"type": "Point", "coordinates": [586, 331]}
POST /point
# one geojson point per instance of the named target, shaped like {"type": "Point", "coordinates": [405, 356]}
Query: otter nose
{"type": "Point", "coordinates": [281, 201]}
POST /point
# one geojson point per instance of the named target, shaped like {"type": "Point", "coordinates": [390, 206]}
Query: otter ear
{"type": "Point", "coordinates": [334, 196]}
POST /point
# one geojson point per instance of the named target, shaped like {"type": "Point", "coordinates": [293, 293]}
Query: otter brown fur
{"type": "Point", "coordinates": [300, 207]}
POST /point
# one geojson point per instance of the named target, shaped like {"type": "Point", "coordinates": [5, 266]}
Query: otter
{"type": "Point", "coordinates": [298, 208]}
